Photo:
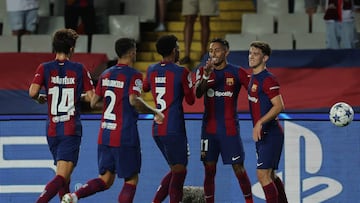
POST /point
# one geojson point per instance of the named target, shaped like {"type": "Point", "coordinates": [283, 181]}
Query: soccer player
{"type": "Point", "coordinates": [219, 83]}
{"type": "Point", "coordinates": [64, 83]}
{"type": "Point", "coordinates": [169, 85]}
{"type": "Point", "coordinates": [265, 104]}
{"type": "Point", "coordinates": [119, 150]}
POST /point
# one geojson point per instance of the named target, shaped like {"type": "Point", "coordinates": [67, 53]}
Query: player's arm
{"type": "Point", "coordinates": [202, 78]}
{"type": "Point", "coordinates": [188, 88]}
{"type": "Point", "coordinates": [87, 97]}
{"type": "Point", "coordinates": [34, 93]}
{"type": "Point", "coordinates": [278, 106]}
{"type": "Point", "coordinates": [96, 102]}
{"type": "Point", "coordinates": [141, 106]}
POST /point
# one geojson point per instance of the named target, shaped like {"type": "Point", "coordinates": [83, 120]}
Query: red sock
{"type": "Point", "coordinates": [91, 187]}
{"type": "Point", "coordinates": [176, 186]}
{"type": "Point", "coordinates": [245, 186]}
{"type": "Point", "coordinates": [271, 193]}
{"type": "Point", "coordinates": [209, 183]}
{"type": "Point", "coordinates": [163, 189]}
{"type": "Point", "coordinates": [64, 190]}
{"type": "Point", "coordinates": [281, 190]}
{"type": "Point", "coordinates": [127, 193]}
{"type": "Point", "coordinates": [51, 189]}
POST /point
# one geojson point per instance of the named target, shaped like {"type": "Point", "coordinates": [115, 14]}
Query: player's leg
{"type": "Point", "coordinates": [244, 181]}
{"type": "Point", "coordinates": [128, 190]}
{"type": "Point", "coordinates": [209, 156]}
{"type": "Point", "coordinates": [281, 189]}
{"type": "Point", "coordinates": [128, 164]}
{"type": "Point", "coordinates": [209, 181]}
{"type": "Point", "coordinates": [178, 175]}
{"type": "Point", "coordinates": [163, 189]}
{"type": "Point", "coordinates": [269, 187]}
{"type": "Point", "coordinates": [62, 148]}
{"type": "Point", "coordinates": [232, 153]}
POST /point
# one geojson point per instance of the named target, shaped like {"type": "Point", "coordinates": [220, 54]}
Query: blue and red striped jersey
{"type": "Point", "coordinates": [169, 85]}
{"type": "Point", "coordinates": [119, 119]}
{"type": "Point", "coordinates": [64, 82]}
{"type": "Point", "coordinates": [262, 88]}
{"type": "Point", "coordinates": [220, 100]}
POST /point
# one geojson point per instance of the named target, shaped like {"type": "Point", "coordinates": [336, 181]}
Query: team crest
{"type": "Point", "coordinates": [229, 81]}
{"type": "Point", "coordinates": [254, 87]}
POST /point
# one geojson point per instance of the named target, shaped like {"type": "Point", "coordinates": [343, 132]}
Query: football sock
{"type": "Point", "coordinates": [176, 186]}
{"type": "Point", "coordinates": [91, 187]}
{"type": "Point", "coordinates": [281, 190]}
{"type": "Point", "coordinates": [64, 190]}
{"type": "Point", "coordinates": [127, 193]}
{"type": "Point", "coordinates": [245, 186]}
{"type": "Point", "coordinates": [271, 193]}
{"type": "Point", "coordinates": [163, 189]}
{"type": "Point", "coordinates": [209, 183]}
{"type": "Point", "coordinates": [51, 189]}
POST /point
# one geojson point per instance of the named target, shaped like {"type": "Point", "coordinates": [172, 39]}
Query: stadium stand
{"type": "Point", "coordinates": [125, 26]}
{"type": "Point", "coordinates": [240, 41]}
{"type": "Point", "coordinates": [256, 23]}
{"type": "Point", "coordinates": [36, 43]}
{"type": "Point", "coordinates": [8, 44]}
{"type": "Point", "coordinates": [315, 40]}
{"type": "Point", "coordinates": [278, 41]}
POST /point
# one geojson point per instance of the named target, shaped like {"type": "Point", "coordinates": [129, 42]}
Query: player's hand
{"type": "Point", "coordinates": [209, 67]}
{"type": "Point", "coordinates": [159, 117]}
{"type": "Point", "coordinates": [257, 131]}
{"type": "Point", "coordinates": [42, 99]}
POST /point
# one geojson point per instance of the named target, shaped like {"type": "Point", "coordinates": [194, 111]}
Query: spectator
{"type": "Point", "coordinates": [191, 9]}
{"type": "Point", "coordinates": [219, 83]}
{"type": "Point", "coordinates": [119, 153]}
{"type": "Point", "coordinates": [23, 16]}
{"type": "Point", "coordinates": [64, 82]}
{"type": "Point", "coordinates": [170, 84]}
{"type": "Point", "coordinates": [83, 9]}
{"type": "Point", "coordinates": [340, 24]}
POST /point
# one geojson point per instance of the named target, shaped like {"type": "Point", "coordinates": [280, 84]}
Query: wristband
{"type": "Point", "coordinates": [205, 77]}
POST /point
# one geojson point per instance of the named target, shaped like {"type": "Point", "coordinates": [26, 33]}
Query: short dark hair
{"type": "Point", "coordinates": [123, 45]}
{"type": "Point", "coordinates": [222, 41]}
{"type": "Point", "coordinates": [64, 40]}
{"type": "Point", "coordinates": [165, 45]}
{"type": "Point", "coordinates": [265, 47]}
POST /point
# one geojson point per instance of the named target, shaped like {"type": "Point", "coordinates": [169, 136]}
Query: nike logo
{"type": "Point", "coordinates": [259, 164]}
{"type": "Point", "coordinates": [235, 158]}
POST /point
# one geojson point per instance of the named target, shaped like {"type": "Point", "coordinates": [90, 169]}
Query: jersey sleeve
{"type": "Point", "coordinates": [39, 75]}
{"type": "Point", "coordinates": [136, 84]}
{"type": "Point", "coordinates": [188, 87]}
{"type": "Point", "coordinates": [88, 84]}
{"type": "Point", "coordinates": [198, 75]}
{"type": "Point", "coordinates": [271, 87]}
{"type": "Point", "coordinates": [244, 78]}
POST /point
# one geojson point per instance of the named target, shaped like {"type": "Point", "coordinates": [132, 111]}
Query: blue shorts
{"type": "Point", "coordinates": [175, 148]}
{"type": "Point", "coordinates": [124, 160]}
{"type": "Point", "coordinates": [269, 148]}
{"type": "Point", "coordinates": [65, 148]}
{"type": "Point", "coordinates": [230, 147]}
{"type": "Point", "coordinates": [23, 20]}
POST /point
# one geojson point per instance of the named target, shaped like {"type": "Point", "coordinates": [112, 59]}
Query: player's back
{"type": "Point", "coordinates": [64, 83]}
{"type": "Point", "coordinates": [119, 118]}
{"type": "Point", "coordinates": [167, 82]}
